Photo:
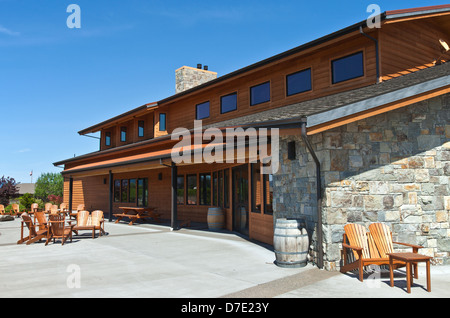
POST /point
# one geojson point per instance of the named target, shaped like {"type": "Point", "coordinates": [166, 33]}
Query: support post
{"type": "Point", "coordinates": [111, 194]}
{"type": "Point", "coordinates": [174, 220]}
{"type": "Point", "coordinates": [70, 194]}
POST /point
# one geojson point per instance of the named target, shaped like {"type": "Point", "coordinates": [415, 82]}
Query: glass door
{"type": "Point", "coordinates": [240, 199]}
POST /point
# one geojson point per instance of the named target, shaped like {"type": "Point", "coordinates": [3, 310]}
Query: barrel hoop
{"type": "Point", "coordinates": [283, 235]}
{"type": "Point", "coordinates": [291, 253]}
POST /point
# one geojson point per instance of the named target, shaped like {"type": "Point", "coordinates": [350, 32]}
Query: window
{"type": "Point", "coordinates": [131, 190]}
{"type": "Point", "coordinates": [268, 193]}
{"type": "Point", "coordinates": [142, 192]}
{"type": "Point", "coordinates": [298, 82]}
{"type": "Point", "coordinates": [108, 138]}
{"type": "Point", "coordinates": [162, 122]}
{"type": "Point", "coordinates": [132, 193]}
{"type": "Point", "coordinates": [191, 181]}
{"type": "Point", "coordinates": [123, 134]}
{"type": "Point", "coordinates": [117, 184]}
{"type": "Point", "coordinates": [220, 188]}
{"type": "Point", "coordinates": [228, 103]}
{"type": "Point", "coordinates": [205, 189]}
{"type": "Point", "coordinates": [256, 187]}
{"type": "Point", "coordinates": [226, 179]}
{"type": "Point", "coordinates": [260, 94]}
{"type": "Point", "coordinates": [180, 189]}
{"type": "Point", "coordinates": [141, 128]}
{"type": "Point", "coordinates": [124, 192]}
{"type": "Point", "coordinates": [215, 188]}
{"type": "Point", "coordinates": [202, 111]}
{"type": "Point", "coordinates": [348, 67]}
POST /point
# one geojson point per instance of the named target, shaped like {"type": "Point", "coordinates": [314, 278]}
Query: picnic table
{"type": "Point", "coordinates": [135, 213]}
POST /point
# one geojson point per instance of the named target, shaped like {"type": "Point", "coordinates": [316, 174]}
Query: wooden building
{"type": "Point", "coordinates": [341, 79]}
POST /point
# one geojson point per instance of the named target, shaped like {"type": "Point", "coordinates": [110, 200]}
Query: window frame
{"type": "Point", "coordinates": [165, 121]}
{"type": "Point", "coordinates": [310, 69]}
{"type": "Point", "coordinates": [200, 104]}
{"type": "Point", "coordinates": [221, 102]}
{"type": "Point", "coordinates": [141, 125]}
{"type": "Point", "coordinates": [258, 85]}
{"type": "Point", "coordinates": [108, 139]}
{"type": "Point", "coordinates": [332, 71]}
{"type": "Point", "coordinates": [123, 134]}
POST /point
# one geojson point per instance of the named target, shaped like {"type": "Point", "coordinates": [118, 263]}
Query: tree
{"type": "Point", "coordinates": [51, 183]}
{"type": "Point", "coordinates": [8, 190]}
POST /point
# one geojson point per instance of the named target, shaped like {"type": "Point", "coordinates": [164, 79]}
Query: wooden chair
{"type": "Point", "coordinates": [89, 222]}
{"type": "Point", "coordinates": [80, 207]}
{"type": "Point", "coordinates": [369, 248]}
{"type": "Point", "coordinates": [54, 209]}
{"type": "Point", "coordinates": [15, 210]}
{"type": "Point", "coordinates": [58, 228]}
{"type": "Point", "coordinates": [2, 209]}
{"type": "Point", "coordinates": [33, 234]}
{"type": "Point", "coordinates": [98, 221]}
{"type": "Point", "coordinates": [48, 207]}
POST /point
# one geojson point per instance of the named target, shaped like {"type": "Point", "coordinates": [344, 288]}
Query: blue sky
{"type": "Point", "coordinates": [55, 81]}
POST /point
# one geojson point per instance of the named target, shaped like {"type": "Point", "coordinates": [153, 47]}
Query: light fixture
{"type": "Point", "coordinates": [444, 45]}
{"type": "Point", "coordinates": [445, 49]}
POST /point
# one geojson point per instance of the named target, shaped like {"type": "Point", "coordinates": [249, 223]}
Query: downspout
{"type": "Point", "coordinates": [377, 53]}
{"type": "Point", "coordinates": [303, 122]}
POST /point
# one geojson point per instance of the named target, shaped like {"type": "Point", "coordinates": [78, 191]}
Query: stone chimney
{"type": "Point", "coordinates": [188, 77]}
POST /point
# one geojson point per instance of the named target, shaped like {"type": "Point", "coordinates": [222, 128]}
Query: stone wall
{"type": "Point", "coordinates": [392, 168]}
{"type": "Point", "coordinates": [188, 77]}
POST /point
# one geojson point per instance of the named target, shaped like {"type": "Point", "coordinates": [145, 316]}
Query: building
{"type": "Point", "coordinates": [363, 117]}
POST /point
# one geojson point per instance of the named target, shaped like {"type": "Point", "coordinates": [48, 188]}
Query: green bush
{"type": "Point", "coordinates": [27, 200]}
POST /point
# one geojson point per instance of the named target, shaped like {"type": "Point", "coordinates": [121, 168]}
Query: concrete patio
{"type": "Point", "coordinates": [148, 260]}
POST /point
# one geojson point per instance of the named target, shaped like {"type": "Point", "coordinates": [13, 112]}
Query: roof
{"type": "Point", "coordinates": [26, 188]}
{"type": "Point", "coordinates": [388, 15]}
{"type": "Point", "coordinates": [331, 107]}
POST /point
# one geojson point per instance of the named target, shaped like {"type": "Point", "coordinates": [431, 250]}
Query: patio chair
{"type": "Point", "coordinates": [58, 229]}
{"type": "Point", "coordinates": [365, 248]}
{"type": "Point", "coordinates": [72, 214]}
{"type": "Point", "coordinates": [54, 209]}
{"type": "Point", "coordinates": [33, 234]}
{"type": "Point", "coordinates": [89, 222]}
{"type": "Point", "coordinates": [15, 210]}
{"type": "Point", "coordinates": [2, 209]}
{"type": "Point", "coordinates": [98, 221]}
{"type": "Point", "coordinates": [48, 207]}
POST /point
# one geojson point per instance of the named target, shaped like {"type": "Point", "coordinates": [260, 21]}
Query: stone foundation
{"type": "Point", "coordinates": [392, 168]}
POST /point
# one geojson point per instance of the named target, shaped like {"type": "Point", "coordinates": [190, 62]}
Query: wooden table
{"type": "Point", "coordinates": [410, 259]}
{"type": "Point", "coordinates": [135, 213]}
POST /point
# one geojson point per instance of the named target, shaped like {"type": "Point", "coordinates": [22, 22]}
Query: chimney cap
{"type": "Point", "coordinates": [205, 67]}
{"type": "Point", "coordinates": [199, 66]}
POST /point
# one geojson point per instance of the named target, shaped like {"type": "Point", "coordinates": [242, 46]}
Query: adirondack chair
{"type": "Point", "coordinates": [98, 221]}
{"type": "Point", "coordinates": [54, 209]}
{"type": "Point", "coordinates": [72, 214]}
{"type": "Point", "coordinates": [2, 209]}
{"type": "Point", "coordinates": [89, 222]}
{"type": "Point", "coordinates": [58, 229]}
{"type": "Point", "coordinates": [369, 248]}
{"type": "Point", "coordinates": [33, 234]}
{"type": "Point", "coordinates": [48, 207]}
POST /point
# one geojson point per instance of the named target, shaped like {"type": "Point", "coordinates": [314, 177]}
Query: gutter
{"type": "Point", "coordinates": [377, 53]}
{"type": "Point", "coordinates": [303, 123]}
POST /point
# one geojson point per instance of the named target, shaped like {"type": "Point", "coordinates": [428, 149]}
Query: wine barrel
{"type": "Point", "coordinates": [216, 218]}
{"type": "Point", "coordinates": [291, 243]}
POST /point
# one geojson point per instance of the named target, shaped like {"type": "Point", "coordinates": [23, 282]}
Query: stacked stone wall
{"type": "Point", "coordinates": [392, 168]}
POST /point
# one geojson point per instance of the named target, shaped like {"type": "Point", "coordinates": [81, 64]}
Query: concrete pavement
{"type": "Point", "coordinates": [148, 260]}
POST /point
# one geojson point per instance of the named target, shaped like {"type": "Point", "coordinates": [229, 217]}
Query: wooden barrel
{"type": "Point", "coordinates": [291, 243]}
{"type": "Point", "coordinates": [215, 218]}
